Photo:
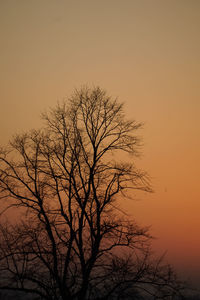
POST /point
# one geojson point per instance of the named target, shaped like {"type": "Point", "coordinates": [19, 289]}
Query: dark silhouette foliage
{"type": "Point", "coordinates": [70, 240]}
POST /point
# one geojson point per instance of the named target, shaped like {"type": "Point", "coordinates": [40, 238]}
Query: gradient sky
{"type": "Point", "coordinates": [145, 52]}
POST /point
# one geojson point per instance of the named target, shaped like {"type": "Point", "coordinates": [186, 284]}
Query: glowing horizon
{"type": "Point", "coordinates": [146, 53]}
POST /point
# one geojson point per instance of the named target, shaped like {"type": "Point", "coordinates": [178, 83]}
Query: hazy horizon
{"type": "Point", "coordinates": [146, 53]}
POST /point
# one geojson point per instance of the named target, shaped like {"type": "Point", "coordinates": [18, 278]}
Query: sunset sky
{"type": "Point", "coordinates": [146, 53]}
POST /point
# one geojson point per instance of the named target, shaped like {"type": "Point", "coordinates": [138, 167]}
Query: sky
{"type": "Point", "coordinates": [144, 52]}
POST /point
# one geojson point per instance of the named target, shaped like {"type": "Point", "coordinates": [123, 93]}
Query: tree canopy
{"type": "Point", "coordinates": [66, 180]}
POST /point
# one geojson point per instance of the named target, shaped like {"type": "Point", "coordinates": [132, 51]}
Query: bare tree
{"type": "Point", "coordinates": [66, 180]}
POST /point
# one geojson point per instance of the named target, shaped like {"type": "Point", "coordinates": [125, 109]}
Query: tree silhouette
{"type": "Point", "coordinates": [71, 241]}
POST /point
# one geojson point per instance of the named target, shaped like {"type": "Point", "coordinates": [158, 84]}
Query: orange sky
{"type": "Point", "coordinates": [145, 52]}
